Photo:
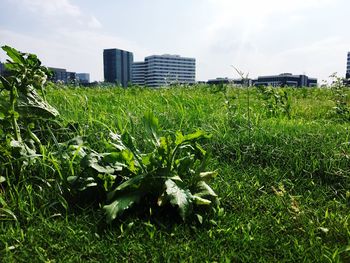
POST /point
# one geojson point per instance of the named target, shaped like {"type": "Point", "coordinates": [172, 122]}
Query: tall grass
{"type": "Point", "coordinates": [283, 182]}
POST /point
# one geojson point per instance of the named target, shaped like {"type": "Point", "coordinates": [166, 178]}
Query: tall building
{"type": "Point", "coordinates": [285, 79]}
{"type": "Point", "coordinates": [162, 70]}
{"type": "Point", "coordinates": [348, 67]}
{"type": "Point", "coordinates": [117, 66]}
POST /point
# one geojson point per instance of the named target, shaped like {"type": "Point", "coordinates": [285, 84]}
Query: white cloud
{"type": "Point", "coordinates": [59, 12]}
{"type": "Point", "coordinates": [268, 37]}
{"type": "Point", "coordinates": [75, 50]}
{"type": "Point", "coordinates": [94, 22]}
{"type": "Point", "coordinates": [53, 7]}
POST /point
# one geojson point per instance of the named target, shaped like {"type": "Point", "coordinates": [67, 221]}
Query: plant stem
{"type": "Point", "coordinates": [15, 126]}
{"type": "Point", "coordinates": [249, 123]}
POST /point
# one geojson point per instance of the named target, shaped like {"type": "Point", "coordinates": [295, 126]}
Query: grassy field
{"type": "Point", "coordinates": [283, 181]}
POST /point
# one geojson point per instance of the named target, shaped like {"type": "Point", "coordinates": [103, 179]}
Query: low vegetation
{"type": "Point", "coordinates": [187, 173]}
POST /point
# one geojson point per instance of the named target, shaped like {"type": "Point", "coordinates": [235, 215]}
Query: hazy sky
{"type": "Point", "coordinates": [258, 37]}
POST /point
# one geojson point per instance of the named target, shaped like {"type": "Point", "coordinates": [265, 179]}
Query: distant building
{"type": "Point", "coordinates": [139, 73]}
{"type": "Point", "coordinates": [62, 75]}
{"type": "Point", "coordinates": [59, 74]}
{"type": "Point", "coordinates": [219, 81]}
{"type": "Point", "coordinates": [2, 68]}
{"type": "Point", "coordinates": [117, 66]}
{"type": "Point", "coordinates": [83, 78]}
{"type": "Point", "coordinates": [71, 77]}
{"type": "Point", "coordinates": [348, 67]}
{"type": "Point", "coordinates": [162, 70]}
{"type": "Point", "coordinates": [285, 79]}
{"type": "Point", "coordinates": [238, 82]}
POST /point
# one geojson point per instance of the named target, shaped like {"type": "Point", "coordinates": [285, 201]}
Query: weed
{"type": "Point", "coordinates": [276, 101]}
{"type": "Point", "coordinates": [340, 98]}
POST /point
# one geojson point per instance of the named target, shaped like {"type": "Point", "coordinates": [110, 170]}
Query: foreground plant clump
{"type": "Point", "coordinates": [171, 173]}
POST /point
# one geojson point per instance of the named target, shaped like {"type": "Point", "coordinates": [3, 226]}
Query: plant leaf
{"type": "Point", "coordinates": [206, 176]}
{"type": "Point", "coordinates": [133, 182]}
{"type": "Point", "coordinates": [7, 211]}
{"type": "Point", "coordinates": [14, 54]}
{"type": "Point", "coordinates": [31, 103]}
{"type": "Point", "coordinates": [152, 125]}
{"type": "Point", "coordinates": [182, 198]}
{"type": "Point", "coordinates": [6, 84]}
{"type": "Point", "coordinates": [192, 137]}
{"type": "Point", "coordinates": [204, 190]}
{"type": "Point", "coordinates": [92, 160]}
{"type": "Point", "coordinates": [2, 179]}
{"type": "Point", "coordinates": [118, 139]}
{"type": "Point", "coordinates": [121, 204]}
{"type": "Point", "coordinates": [196, 135]}
{"type": "Point", "coordinates": [201, 201]}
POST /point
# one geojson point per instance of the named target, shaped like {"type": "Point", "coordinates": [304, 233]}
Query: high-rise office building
{"type": "Point", "coordinates": [348, 67]}
{"type": "Point", "coordinates": [162, 70]}
{"type": "Point", "coordinates": [117, 66]}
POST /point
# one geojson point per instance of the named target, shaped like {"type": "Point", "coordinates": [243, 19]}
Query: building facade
{"type": "Point", "coordinates": [59, 75]}
{"type": "Point", "coordinates": [163, 70]}
{"type": "Point", "coordinates": [139, 73]}
{"type": "Point", "coordinates": [83, 78]}
{"type": "Point", "coordinates": [117, 66]}
{"type": "Point", "coordinates": [348, 67]}
{"type": "Point", "coordinates": [2, 68]}
{"type": "Point", "coordinates": [62, 75]}
{"type": "Point", "coordinates": [285, 79]}
{"type": "Point", "coordinates": [237, 82]}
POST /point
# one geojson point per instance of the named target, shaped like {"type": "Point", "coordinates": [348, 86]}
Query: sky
{"type": "Point", "coordinates": [259, 37]}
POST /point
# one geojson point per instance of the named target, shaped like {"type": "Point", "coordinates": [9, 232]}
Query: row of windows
{"type": "Point", "coordinates": [165, 72]}
{"type": "Point", "coordinates": [171, 67]}
{"type": "Point", "coordinates": [158, 84]}
{"type": "Point", "coordinates": [192, 69]}
{"type": "Point", "coordinates": [171, 76]}
{"type": "Point", "coordinates": [171, 72]}
{"type": "Point", "coordinates": [158, 71]}
{"type": "Point", "coordinates": [170, 63]}
{"type": "Point", "coordinates": [170, 79]}
{"type": "Point", "coordinates": [169, 58]}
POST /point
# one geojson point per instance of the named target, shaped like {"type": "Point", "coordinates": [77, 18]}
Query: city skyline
{"type": "Point", "coordinates": [258, 37]}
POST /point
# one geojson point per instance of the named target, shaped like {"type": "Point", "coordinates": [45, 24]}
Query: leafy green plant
{"type": "Point", "coordinates": [229, 101]}
{"type": "Point", "coordinates": [276, 101]}
{"type": "Point", "coordinates": [171, 173]}
{"type": "Point", "coordinates": [20, 105]}
{"type": "Point", "coordinates": [340, 98]}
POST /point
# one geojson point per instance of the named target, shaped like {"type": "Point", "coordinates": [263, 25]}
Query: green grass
{"type": "Point", "coordinates": [284, 183]}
